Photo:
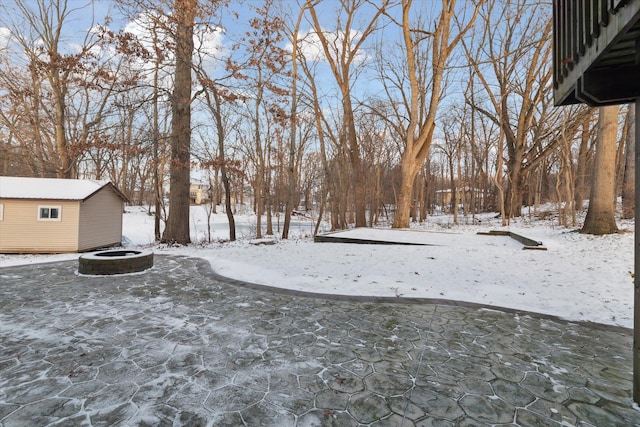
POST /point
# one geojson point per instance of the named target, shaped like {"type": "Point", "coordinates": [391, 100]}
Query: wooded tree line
{"type": "Point", "coordinates": [360, 112]}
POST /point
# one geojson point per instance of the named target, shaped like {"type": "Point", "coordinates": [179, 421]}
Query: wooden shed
{"type": "Point", "coordinates": [48, 215]}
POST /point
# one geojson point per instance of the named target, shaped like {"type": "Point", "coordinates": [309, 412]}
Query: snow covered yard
{"type": "Point", "coordinates": [579, 277]}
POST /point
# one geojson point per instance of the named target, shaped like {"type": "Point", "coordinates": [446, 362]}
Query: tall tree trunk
{"type": "Point", "coordinates": [288, 208]}
{"type": "Point", "coordinates": [601, 214]}
{"type": "Point", "coordinates": [223, 166]}
{"type": "Point", "coordinates": [259, 198]}
{"type": "Point", "coordinates": [157, 185]}
{"type": "Point", "coordinates": [65, 166]}
{"type": "Point", "coordinates": [424, 196]}
{"type": "Point", "coordinates": [355, 160]}
{"type": "Point", "coordinates": [267, 191]}
{"type": "Point", "coordinates": [498, 179]}
{"type": "Point", "coordinates": [581, 169]}
{"type": "Point", "coordinates": [454, 189]}
{"type": "Point", "coordinates": [628, 187]}
{"type": "Point", "coordinates": [323, 200]}
{"type": "Point", "coordinates": [515, 191]}
{"type": "Point", "coordinates": [408, 171]}
{"type": "Point", "coordinates": [414, 201]}
{"type": "Point", "coordinates": [177, 230]}
{"type": "Point", "coordinates": [564, 185]}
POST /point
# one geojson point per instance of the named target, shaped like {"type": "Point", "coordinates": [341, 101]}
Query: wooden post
{"type": "Point", "coordinates": [636, 268]}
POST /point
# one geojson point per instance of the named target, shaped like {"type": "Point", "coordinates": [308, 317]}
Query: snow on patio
{"type": "Point", "coordinates": [579, 277]}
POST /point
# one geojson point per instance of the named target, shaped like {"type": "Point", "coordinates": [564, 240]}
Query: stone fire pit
{"type": "Point", "coordinates": [115, 262]}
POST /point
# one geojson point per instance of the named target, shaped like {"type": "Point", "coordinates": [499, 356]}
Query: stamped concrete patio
{"type": "Point", "coordinates": [178, 345]}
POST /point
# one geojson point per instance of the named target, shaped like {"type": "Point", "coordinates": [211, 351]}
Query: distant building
{"type": "Point", "coordinates": [463, 196]}
{"type": "Point", "coordinates": [199, 193]}
{"type": "Point", "coordinates": [48, 215]}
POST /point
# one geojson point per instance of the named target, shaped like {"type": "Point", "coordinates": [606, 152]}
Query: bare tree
{"type": "Point", "coordinates": [512, 63]}
{"type": "Point", "coordinates": [451, 147]}
{"type": "Point", "coordinates": [158, 200]}
{"type": "Point", "coordinates": [379, 157]}
{"type": "Point", "coordinates": [173, 28]}
{"type": "Point", "coordinates": [330, 189]}
{"type": "Point", "coordinates": [262, 71]}
{"type": "Point", "coordinates": [214, 99]}
{"type": "Point", "coordinates": [565, 183]}
{"type": "Point", "coordinates": [292, 177]}
{"type": "Point", "coordinates": [62, 95]}
{"type": "Point", "coordinates": [414, 118]}
{"type": "Point", "coordinates": [341, 50]}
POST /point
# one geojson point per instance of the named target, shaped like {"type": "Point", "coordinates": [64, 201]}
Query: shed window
{"type": "Point", "coordinates": [49, 213]}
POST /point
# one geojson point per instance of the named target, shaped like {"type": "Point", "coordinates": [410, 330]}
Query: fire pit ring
{"type": "Point", "coordinates": [120, 261]}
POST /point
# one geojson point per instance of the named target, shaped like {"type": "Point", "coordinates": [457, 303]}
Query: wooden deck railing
{"type": "Point", "coordinates": [590, 35]}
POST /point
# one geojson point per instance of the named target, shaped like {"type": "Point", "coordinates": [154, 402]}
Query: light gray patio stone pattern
{"type": "Point", "coordinates": [177, 345]}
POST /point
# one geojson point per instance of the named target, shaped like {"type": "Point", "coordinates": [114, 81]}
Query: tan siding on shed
{"type": "Point", "coordinates": [21, 232]}
{"type": "Point", "coordinates": [100, 220]}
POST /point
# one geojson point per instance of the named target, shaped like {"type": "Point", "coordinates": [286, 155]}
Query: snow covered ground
{"type": "Point", "coordinates": [579, 277]}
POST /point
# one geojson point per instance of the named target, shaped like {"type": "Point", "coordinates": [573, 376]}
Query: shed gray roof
{"type": "Point", "coordinates": [12, 187]}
